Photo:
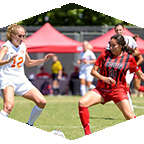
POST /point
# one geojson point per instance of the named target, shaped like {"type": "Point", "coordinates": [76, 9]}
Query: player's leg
{"type": "Point", "coordinates": [89, 80]}
{"type": "Point", "coordinates": [8, 98]}
{"type": "Point", "coordinates": [35, 95]}
{"type": "Point", "coordinates": [82, 82]}
{"type": "Point", "coordinates": [89, 99]}
{"type": "Point", "coordinates": [137, 84]}
{"type": "Point", "coordinates": [126, 109]}
{"type": "Point", "coordinates": [55, 87]}
{"type": "Point", "coordinates": [90, 85]}
{"type": "Point", "coordinates": [129, 78]}
{"type": "Point", "coordinates": [130, 101]}
{"type": "Point", "coordinates": [55, 84]}
{"type": "Point", "coordinates": [82, 86]}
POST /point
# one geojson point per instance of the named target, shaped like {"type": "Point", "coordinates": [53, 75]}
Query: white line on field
{"type": "Point", "coordinates": [73, 127]}
{"type": "Point", "coordinates": [62, 126]}
{"type": "Point", "coordinates": [138, 107]}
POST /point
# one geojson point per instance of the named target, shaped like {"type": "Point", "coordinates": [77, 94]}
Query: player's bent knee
{"type": "Point", "coordinates": [42, 103]}
{"type": "Point", "coordinates": [82, 102]}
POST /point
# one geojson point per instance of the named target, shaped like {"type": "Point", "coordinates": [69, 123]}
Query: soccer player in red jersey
{"type": "Point", "coordinates": [131, 42]}
{"type": "Point", "coordinates": [137, 81]}
{"type": "Point", "coordinates": [112, 66]}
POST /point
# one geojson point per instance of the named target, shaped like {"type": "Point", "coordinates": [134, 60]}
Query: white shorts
{"type": "Point", "coordinates": [86, 75]}
{"type": "Point", "coordinates": [21, 87]}
{"type": "Point", "coordinates": [129, 77]}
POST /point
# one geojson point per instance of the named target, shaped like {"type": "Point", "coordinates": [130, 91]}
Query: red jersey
{"type": "Point", "coordinates": [116, 68]}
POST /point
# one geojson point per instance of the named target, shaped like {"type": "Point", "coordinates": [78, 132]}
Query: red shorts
{"type": "Point", "coordinates": [135, 76]}
{"type": "Point", "coordinates": [116, 95]}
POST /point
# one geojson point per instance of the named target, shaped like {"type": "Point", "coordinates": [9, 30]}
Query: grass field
{"type": "Point", "coordinates": [62, 113]}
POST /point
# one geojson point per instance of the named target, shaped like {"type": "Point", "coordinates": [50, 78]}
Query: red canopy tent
{"type": "Point", "coordinates": [48, 39]}
{"type": "Point", "coordinates": [101, 42]}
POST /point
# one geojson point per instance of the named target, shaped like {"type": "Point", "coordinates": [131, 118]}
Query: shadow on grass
{"type": "Point", "coordinates": [103, 118]}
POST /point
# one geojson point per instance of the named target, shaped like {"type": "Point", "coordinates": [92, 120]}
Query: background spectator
{"type": "Point", "coordinates": [74, 83]}
{"type": "Point", "coordinates": [56, 75]}
{"type": "Point", "coordinates": [43, 74]}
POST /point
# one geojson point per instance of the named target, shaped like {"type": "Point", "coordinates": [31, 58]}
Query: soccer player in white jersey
{"type": "Point", "coordinates": [13, 56]}
{"type": "Point", "coordinates": [87, 59]}
{"type": "Point", "coordinates": [119, 29]}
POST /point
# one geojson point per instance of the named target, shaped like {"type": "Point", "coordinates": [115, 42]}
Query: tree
{"type": "Point", "coordinates": [71, 15]}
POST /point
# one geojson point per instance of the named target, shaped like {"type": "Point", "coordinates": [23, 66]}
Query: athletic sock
{"type": "Point", "coordinates": [36, 111]}
{"type": "Point", "coordinates": [92, 86]}
{"type": "Point", "coordinates": [83, 89]}
{"type": "Point", "coordinates": [3, 113]}
{"type": "Point", "coordinates": [141, 89]}
{"type": "Point", "coordinates": [84, 117]}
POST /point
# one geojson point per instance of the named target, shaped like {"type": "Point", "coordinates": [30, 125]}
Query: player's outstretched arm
{"type": "Point", "coordinates": [30, 63]}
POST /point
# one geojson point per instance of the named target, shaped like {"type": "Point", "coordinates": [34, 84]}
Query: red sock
{"type": "Point", "coordinates": [135, 116]}
{"type": "Point", "coordinates": [84, 117]}
{"type": "Point", "coordinates": [141, 89]}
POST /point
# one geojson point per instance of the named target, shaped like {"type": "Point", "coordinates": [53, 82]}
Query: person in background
{"type": "Point", "coordinates": [43, 74]}
{"type": "Point", "coordinates": [137, 80]}
{"type": "Point", "coordinates": [110, 69]}
{"type": "Point", "coordinates": [56, 75]}
{"type": "Point", "coordinates": [75, 74]}
{"type": "Point", "coordinates": [87, 59]}
{"type": "Point", "coordinates": [64, 75]}
{"type": "Point", "coordinates": [13, 57]}
{"type": "Point", "coordinates": [74, 83]}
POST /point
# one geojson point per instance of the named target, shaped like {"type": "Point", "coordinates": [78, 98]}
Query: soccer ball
{"type": "Point", "coordinates": [58, 133]}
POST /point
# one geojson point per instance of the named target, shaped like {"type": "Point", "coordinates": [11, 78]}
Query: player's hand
{"type": "Point", "coordinates": [78, 62]}
{"type": "Point", "coordinates": [86, 61]}
{"type": "Point", "coordinates": [59, 77]}
{"type": "Point", "coordinates": [109, 80]}
{"type": "Point", "coordinates": [12, 58]}
{"type": "Point", "coordinates": [48, 56]}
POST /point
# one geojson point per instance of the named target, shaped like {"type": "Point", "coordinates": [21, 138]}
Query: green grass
{"type": "Point", "coordinates": [62, 113]}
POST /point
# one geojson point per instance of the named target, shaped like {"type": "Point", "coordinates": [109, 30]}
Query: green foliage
{"type": "Point", "coordinates": [71, 15]}
{"type": "Point", "coordinates": [62, 113]}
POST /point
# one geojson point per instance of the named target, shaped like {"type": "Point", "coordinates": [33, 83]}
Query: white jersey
{"type": "Point", "coordinates": [129, 41]}
{"type": "Point", "coordinates": [88, 55]}
{"type": "Point", "coordinates": [15, 69]}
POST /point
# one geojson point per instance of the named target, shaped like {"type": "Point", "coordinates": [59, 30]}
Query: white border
{"type": "Point", "coordinates": [12, 11]}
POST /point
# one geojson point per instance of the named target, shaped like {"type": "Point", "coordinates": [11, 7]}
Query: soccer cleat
{"type": "Point", "coordinates": [29, 124]}
{"type": "Point", "coordinates": [87, 129]}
